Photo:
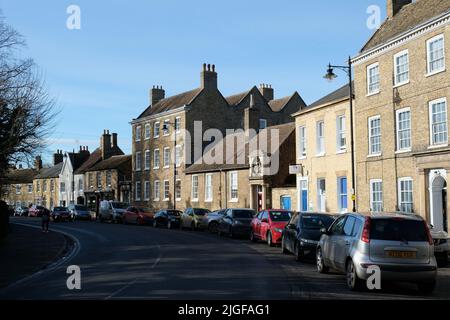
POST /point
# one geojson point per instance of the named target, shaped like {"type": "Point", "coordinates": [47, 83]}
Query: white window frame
{"type": "Point", "coordinates": [208, 187]}
{"type": "Point", "coordinates": [177, 181]}
{"type": "Point", "coordinates": [430, 111]}
{"type": "Point", "coordinates": [178, 155]}
{"type": "Point", "coordinates": [138, 161]}
{"type": "Point", "coordinates": [302, 142]}
{"type": "Point", "coordinates": [156, 163]}
{"type": "Point", "coordinates": [156, 190]}
{"type": "Point", "coordinates": [371, 196]}
{"type": "Point", "coordinates": [138, 133]}
{"type": "Point", "coordinates": [262, 124]}
{"type": "Point", "coordinates": [400, 202]}
{"type": "Point", "coordinates": [369, 84]}
{"type": "Point", "coordinates": [147, 131]}
{"type": "Point", "coordinates": [341, 133]}
{"type": "Point", "coordinates": [396, 74]}
{"type": "Point", "coordinates": [194, 188]}
{"type": "Point", "coordinates": [18, 189]}
{"type": "Point", "coordinates": [166, 123]}
{"type": "Point", "coordinates": [166, 183]}
{"type": "Point", "coordinates": [320, 139]}
{"type": "Point", "coordinates": [177, 126]}
{"type": "Point", "coordinates": [429, 41]}
{"type": "Point", "coordinates": [369, 127]}
{"type": "Point", "coordinates": [30, 188]}
{"type": "Point", "coordinates": [147, 190]}
{"type": "Point", "coordinates": [397, 129]}
{"type": "Point", "coordinates": [166, 158]}
{"type": "Point", "coordinates": [137, 195]}
{"type": "Point", "coordinates": [156, 133]}
{"type": "Point", "coordinates": [147, 160]}
{"type": "Point", "coordinates": [232, 185]}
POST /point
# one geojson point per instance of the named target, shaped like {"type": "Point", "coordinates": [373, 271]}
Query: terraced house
{"type": "Point", "coordinates": [164, 136]}
{"type": "Point", "coordinates": [46, 184]}
{"type": "Point", "coordinates": [402, 91]}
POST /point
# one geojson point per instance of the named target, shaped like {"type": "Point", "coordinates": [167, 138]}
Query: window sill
{"type": "Point", "coordinates": [147, 139]}
{"type": "Point", "coordinates": [209, 200]}
{"type": "Point", "coordinates": [233, 200]}
{"type": "Point", "coordinates": [430, 74]}
{"type": "Point", "coordinates": [194, 200]}
{"type": "Point", "coordinates": [178, 199]}
{"type": "Point", "coordinates": [166, 200]}
{"type": "Point", "coordinates": [373, 93]}
{"type": "Point", "coordinates": [166, 167]}
{"type": "Point", "coordinates": [137, 199]}
{"type": "Point", "coordinates": [137, 170]}
{"type": "Point", "coordinates": [374, 155]}
{"type": "Point", "coordinates": [341, 151]}
{"type": "Point", "coordinates": [320, 155]}
{"type": "Point", "coordinates": [402, 151]}
{"type": "Point", "coordinates": [156, 199]}
{"type": "Point", "coordinates": [401, 84]}
{"type": "Point", "coordinates": [302, 158]}
{"type": "Point", "coordinates": [437, 146]}
{"type": "Point", "coordinates": [156, 168]}
{"type": "Point", "coordinates": [155, 137]}
{"type": "Point", "coordinates": [137, 140]}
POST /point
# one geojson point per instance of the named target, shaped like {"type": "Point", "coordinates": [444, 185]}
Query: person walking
{"type": "Point", "coordinates": [45, 220]}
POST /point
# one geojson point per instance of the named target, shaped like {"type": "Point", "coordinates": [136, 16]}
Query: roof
{"type": "Point", "coordinates": [93, 159]}
{"type": "Point", "coordinates": [409, 17]}
{"type": "Point", "coordinates": [21, 175]}
{"type": "Point", "coordinates": [237, 98]}
{"type": "Point", "coordinates": [337, 95]}
{"type": "Point", "coordinates": [171, 103]}
{"type": "Point", "coordinates": [111, 163]}
{"type": "Point", "coordinates": [52, 172]}
{"type": "Point", "coordinates": [278, 104]}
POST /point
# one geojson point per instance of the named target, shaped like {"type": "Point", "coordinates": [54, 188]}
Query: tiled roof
{"type": "Point", "coordinates": [237, 98]}
{"type": "Point", "coordinates": [52, 172]}
{"type": "Point", "coordinates": [93, 159]}
{"type": "Point", "coordinates": [278, 104]}
{"type": "Point", "coordinates": [409, 17]}
{"type": "Point", "coordinates": [337, 95]}
{"type": "Point", "coordinates": [170, 103]}
{"type": "Point", "coordinates": [21, 176]}
{"type": "Point", "coordinates": [111, 163]}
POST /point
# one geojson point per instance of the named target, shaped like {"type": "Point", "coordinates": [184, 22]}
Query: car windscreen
{"type": "Point", "coordinates": [174, 213]}
{"type": "Point", "coordinates": [316, 222]}
{"type": "Point", "coordinates": [119, 205]}
{"type": "Point", "coordinates": [281, 216]}
{"type": "Point", "coordinates": [398, 230]}
{"type": "Point", "coordinates": [81, 208]}
{"type": "Point", "coordinates": [201, 212]}
{"type": "Point", "coordinates": [243, 214]}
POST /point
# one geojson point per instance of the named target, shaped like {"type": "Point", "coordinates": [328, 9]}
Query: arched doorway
{"type": "Point", "coordinates": [438, 201]}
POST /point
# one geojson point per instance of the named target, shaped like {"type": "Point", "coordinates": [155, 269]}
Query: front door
{"type": "Point", "coordinates": [438, 200]}
{"type": "Point", "coordinates": [321, 195]}
{"type": "Point", "coordinates": [286, 202]}
{"type": "Point", "coordinates": [303, 195]}
{"type": "Point", "coordinates": [259, 197]}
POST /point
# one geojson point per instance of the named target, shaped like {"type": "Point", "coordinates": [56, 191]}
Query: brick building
{"type": "Point", "coordinates": [17, 189]}
{"type": "Point", "coordinates": [46, 184]}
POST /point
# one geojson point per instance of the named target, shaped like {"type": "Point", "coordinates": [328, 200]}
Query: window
{"type": "Point", "coordinates": [62, 187]}
{"type": "Point", "coordinates": [166, 157]}
{"type": "Point", "coordinates": [147, 131]}
{"type": "Point", "coordinates": [18, 188]}
{"type": "Point", "coordinates": [375, 135]}
{"type": "Point", "coordinates": [44, 186]}
{"type": "Point", "coordinates": [233, 186]}
{"type": "Point", "coordinates": [138, 191]}
{"type": "Point", "coordinates": [262, 124]}
{"type": "Point", "coordinates": [38, 186]}
{"type": "Point", "coordinates": [178, 190]}
{"type": "Point", "coordinates": [80, 184]}
{"type": "Point", "coordinates": [30, 188]}
{"type": "Point", "coordinates": [320, 138]}
{"type": "Point", "coordinates": [435, 55]}
{"type": "Point", "coordinates": [147, 160]}
{"type": "Point", "coordinates": [194, 194]}
{"type": "Point", "coordinates": [342, 194]}
{"type": "Point", "coordinates": [403, 129]}
{"type": "Point", "coordinates": [405, 195]}
{"type": "Point", "coordinates": [208, 187]}
{"type": "Point", "coordinates": [52, 185]}
{"type": "Point", "coordinates": [91, 179]}
{"type": "Point", "coordinates": [376, 195]}
{"type": "Point", "coordinates": [438, 122]}
{"type": "Point", "coordinates": [340, 134]}
{"type": "Point", "coordinates": [99, 180]}
{"type": "Point", "coordinates": [147, 190]}
{"type": "Point", "coordinates": [178, 156]}
{"type": "Point", "coordinates": [166, 127]}
{"type": "Point", "coordinates": [166, 190]}
{"type": "Point", "coordinates": [302, 141]}
{"type": "Point", "coordinates": [138, 161]}
{"type": "Point", "coordinates": [348, 226]}
{"type": "Point", "coordinates": [138, 133]}
{"type": "Point", "coordinates": [156, 159]}
{"type": "Point", "coordinates": [156, 130]}
{"type": "Point", "coordinates": [373, 79]}
{"type": "Point", "coordinates": [401, 68]}
{"type": "Point", "coordinates": [177, 124]}
{"type": "Point", "coordinates": [108, 178]}
{"type": "Point", "coordinates": [156, 191]}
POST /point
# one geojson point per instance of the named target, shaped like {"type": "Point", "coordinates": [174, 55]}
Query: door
{"type": "Point", "coordinates": [291, 232]}
{"type": "Point", "coordinates": [286, 202]}
{"type": "Point", "coordinates": [257, 224]}
{"type": "Point", "coordinates": [303, 195]}
{"type": "Point", "coordinates": [343, 243]}
{"type": "Point", "coordinates": [321, 195]}
{"type": "Point", "coordinates": [264, 225]}
{"type": "Point", "coordinates": [259, 196]}
{"type": "Point", "coordinates": [438, 200]}
{"type": "Point", "coordinates": [330, 248]}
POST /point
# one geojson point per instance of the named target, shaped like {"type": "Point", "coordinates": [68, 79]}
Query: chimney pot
{"type": "Point", "coordinates": [208, 77]}
{"type": "Point", "coordinates": [267, 92]}
{"type": "Point", "coordinates": [394, 6]}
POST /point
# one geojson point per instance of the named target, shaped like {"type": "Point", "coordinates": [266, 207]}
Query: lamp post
{"type": "Point", "coordinates": [330, 75]}
{"type": "Point", "coordinates": [166, 127]}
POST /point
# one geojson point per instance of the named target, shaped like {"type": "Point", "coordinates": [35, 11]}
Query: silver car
{"type": "Point", "coordinates": [399, 244]}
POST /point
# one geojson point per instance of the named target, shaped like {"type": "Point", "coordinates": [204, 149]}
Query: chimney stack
{"type": "Point", "coordinates": [266, 91]}
{"type": "Point", "coordinates": [58, 157]}
{"type": "Point", "coordinates": [394, 6]}
{"type": "Point", "coordinates": [114, 141]}
{"type": "Point", "coordinates": [157, 93]}
{"type": "Point", "coordinates": [208, 77]}
{"type": "Point", "coordinates": [105, 144]}
{"type": "Point", "coordinates": [38, 163]}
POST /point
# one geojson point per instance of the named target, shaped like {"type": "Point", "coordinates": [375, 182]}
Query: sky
{"type": "Point", "coordinates": [101, 73]}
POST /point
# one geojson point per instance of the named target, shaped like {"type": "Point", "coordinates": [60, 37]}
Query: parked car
{"type": "Point", "coordinates": [236, 222]}
{"type": "Point", "coordinates": [80, 212]}
{"type": "Point", "coordinates": [441, 246]}
{"type": "Point", "coordinates": [213, 219]}
{"type": "Point", "coordinates": [167, 218]}
{"type": "Point", "coordinates": [112, 210]}
{"type": "Point", "coordinates": [60, 214]}
{"type": "Point", "coordinates": [21, 211]}
{"type": "Point", "coordinates": [302, 233]}
{"type": "Point", "coordinates": [268, 226]}
{"type": "Point", "coordinates": [36, 211]}
{"type": "Point", "coordinates": [399, 244]}
{"type": "Point", "coordinates": [138, 215]}
{"type": "Point", "coordinates": [194, 218]}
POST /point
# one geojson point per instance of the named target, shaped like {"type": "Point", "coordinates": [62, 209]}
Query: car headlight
{"type": "Point", "coordinates": [309, 241]}
{"type": "Point", "coordinates": [278, 230]}
{"type": "Point", "coordinates": [236, 222]}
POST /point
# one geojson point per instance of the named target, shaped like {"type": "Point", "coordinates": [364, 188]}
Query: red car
{"type": "Point", "coordinates": [36, 211]}
{"type": "Point", "coordinates": [137, 215]}
{"type": "Point", "coordinates": [268, 226]}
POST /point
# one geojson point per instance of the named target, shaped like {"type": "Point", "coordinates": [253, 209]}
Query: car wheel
{"type": "Point", "coordinates": [321, 267]}
{"type": "Point", "coordinates": [269, 239]}
{"type": "Point", "coordinates": [169, 224]}
{"type": "Point", "coordinates": [155, 224]}
{"type": "Point", "coordinates": [298, 253]}
{"type": "Point", "coordinates": [212, 227]}
{"type": "Point", "coordinates": [283, 246]}
{"type": "Point", "coordinates": [252, 236]}
{"type": "Point", "coordinates": [354, 283]}
{"type": "Point", "coordinates": [426, 288]}
{"type": "Point", "coordinates": [192, 226]}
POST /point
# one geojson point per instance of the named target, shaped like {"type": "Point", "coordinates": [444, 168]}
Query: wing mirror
{"type": "Point", "coordinates": [324, 231]}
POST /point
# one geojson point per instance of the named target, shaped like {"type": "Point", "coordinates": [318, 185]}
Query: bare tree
{"type": "Point", "coordinates": [27, 112]}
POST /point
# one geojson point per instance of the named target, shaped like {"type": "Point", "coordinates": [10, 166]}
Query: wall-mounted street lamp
{"type": "Point", "coordinates": [330, 76]}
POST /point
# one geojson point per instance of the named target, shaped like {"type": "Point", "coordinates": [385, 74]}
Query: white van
{"type": "Point", "coordinates": [112, 210]}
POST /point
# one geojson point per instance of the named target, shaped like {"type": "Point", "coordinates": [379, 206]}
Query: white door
{"type": "Point", "coordinates": [438, 200]}
{"type": "Point", "coordinates": [321, 195]}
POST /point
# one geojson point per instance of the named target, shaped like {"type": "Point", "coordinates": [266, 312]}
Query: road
{"type": "Point", "coordinates": [133, 262]}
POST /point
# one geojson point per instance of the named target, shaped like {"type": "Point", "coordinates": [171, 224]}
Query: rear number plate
{"type": "Point", "coordinates": [402, 254]}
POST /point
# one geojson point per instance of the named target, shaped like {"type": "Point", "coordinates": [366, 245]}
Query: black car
{"type": "Point", "coordinates": [236, 222]}
{"type": "Point", "coordinates": [302, 234]}
{"type": "Point", "coordinates": [167, 218]}
{"type": "Point", "coordinates": [213, 219]}
{"type": "Point", "coordinates": [60, 214]}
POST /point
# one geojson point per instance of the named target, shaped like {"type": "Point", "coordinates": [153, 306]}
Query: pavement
{"type": "Point", "coordinates": [138, 262]}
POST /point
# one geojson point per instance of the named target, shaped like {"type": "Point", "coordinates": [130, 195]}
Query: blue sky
{"type": "Point", "coordinates": [101, 74]}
